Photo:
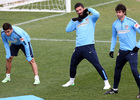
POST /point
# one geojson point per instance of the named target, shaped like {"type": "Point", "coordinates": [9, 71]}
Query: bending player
{"type": "Point", "coordinates": [19, 40]}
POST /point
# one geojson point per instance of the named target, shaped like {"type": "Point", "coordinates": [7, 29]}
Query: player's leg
{"type": "Point", "coordinates": [9, 65]}
{"type": "Point", "coordinates": [32, 63]}
{"type": "Point", "coordinates": [75, 60]}
{"type": "Point", "coordinates": [14, 52]}
{"type": "Point", "coordinates": [120, 62]}
{"type": "Point", "coordinates": [35, 70]}
{"type": "Point", "coordinates": [133, 61]}
{"type": "Point", "coordinates": [91, 55]}
{"type": "Point", "coordinates": [8, 70]}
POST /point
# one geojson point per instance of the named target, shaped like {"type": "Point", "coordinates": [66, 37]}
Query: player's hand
{"type": "Point", "coordinates": [135, 49]}
{"type": "Point", "coordinates": [32, 61]}
{"type": "Point", "coordinates": [28, 58]}
{"type": "Point", "coordinates": [77, 19]}
{"type": "Point", "coordinates": [85, 11]}
{"type": "Point", "coordinates": [111, 54]}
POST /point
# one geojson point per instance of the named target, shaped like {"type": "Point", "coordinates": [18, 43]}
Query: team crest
{"type": "Point", "coordinates": [15, 39]}
{"type": "Point", "coordinates": [126, 26]}
{"type": "Point", "coordinates": [87, 19]}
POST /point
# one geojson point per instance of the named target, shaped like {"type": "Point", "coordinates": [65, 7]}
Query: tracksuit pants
{"type": "Point", "coordinates": [86, 52]}
{"type": "Point", "coordinates": [122, 58]}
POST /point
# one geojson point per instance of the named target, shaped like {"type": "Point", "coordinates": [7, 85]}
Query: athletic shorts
{"type": "Point", "coordinates": [15, 48]}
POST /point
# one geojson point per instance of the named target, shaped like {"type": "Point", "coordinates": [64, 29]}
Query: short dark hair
{"type": "Point", "coordinates": [120, 7]}
{"type": "Point", "coordinates": [78, 5]}
{"type": "Point", "coordinates": [7, 26]}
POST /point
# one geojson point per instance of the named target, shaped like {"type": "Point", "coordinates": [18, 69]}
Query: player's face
{"type": "Point", "coordinates": [120, 14]}
{"type": "Point", "coordinates": [8, 32]}
{"type": "Point", "coordinates": [79, 10]}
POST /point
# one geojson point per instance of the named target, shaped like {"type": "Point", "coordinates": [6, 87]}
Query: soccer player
{"type": "Point", "coordinates": [125, 28]}
{"type": "Point", "coordinates": [19, 40]}
{"type": "Point", "coordinates": [85, 27]}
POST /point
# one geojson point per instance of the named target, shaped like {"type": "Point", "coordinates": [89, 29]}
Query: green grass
{"type": "Point", "coordinates": [53, 57]}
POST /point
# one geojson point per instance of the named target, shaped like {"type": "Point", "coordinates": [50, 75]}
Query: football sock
{"type": "Point", "coordinates": [72, 79]}
{"type": "Point", "coordinates": [8, 75]}
{"type": "Point", "coordinates": [106, 82]}
{"type": "Point", "coordinates": [115, 89]}
{"type": "Point", "coordinates": [36, 77]}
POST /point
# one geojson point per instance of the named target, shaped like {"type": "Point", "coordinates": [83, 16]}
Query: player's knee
{"type": "Point", "coordinates": [134, 70]}
{"type": "Point", "coordinates": [32, 61]}
{"type": "Point", "coordinates": [10, 59]}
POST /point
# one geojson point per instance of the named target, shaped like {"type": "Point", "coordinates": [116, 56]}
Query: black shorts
{"type": "Point", "coordinates": [15, 48]}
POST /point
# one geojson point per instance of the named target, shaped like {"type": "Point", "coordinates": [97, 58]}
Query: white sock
{"type": "Point", "coordinates": [106, 82]}
{"type": "Point", "coordinates": [115, 89]}
{"type": "Point", "coordinates": [72, 79]}
{"type": "Point", "coordinates": [8, 75]}
{"type": "Point", "coordinates": [36, 77]}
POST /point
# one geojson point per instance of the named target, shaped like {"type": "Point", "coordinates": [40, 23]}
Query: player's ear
{"type": "Point", "coordinates": [124, 12]}
{"type": "Point", "coordinates": [12, 29]}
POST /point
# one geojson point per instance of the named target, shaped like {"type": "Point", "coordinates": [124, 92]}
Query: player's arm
{"type": "Point", "coordinates": [6, 46]}
{"type": "Point", "coordinates": [26, 46]}
{"type": "Point", "coordinates": [136, 26]}
{"type": "Point", "coordinates": [71, 26]}
{"type": "Point", "coordinates": [95, 14]}
{"type": "Point", "coordinates": [113, 41]}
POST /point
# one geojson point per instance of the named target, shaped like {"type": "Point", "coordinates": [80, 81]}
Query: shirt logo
{"type": "Point", "coordinates": [137, 25]}
{"type": "Point", "coordinates": [126, 26]}
{"type": "Point", "coordinates": [90, 51]}
{"type": "Point", "coordinates": [132, 54]}
{"type": "Point", "coordinates": [123, 31]}
{"type": "Point", "coordinates": [82, 24]}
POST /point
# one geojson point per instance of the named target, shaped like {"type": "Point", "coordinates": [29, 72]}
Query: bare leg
{"type": "Point", "coordinates": [34, 66]}
{"type": "Point", "coordinates": [9, 64]}
{"type": "Point", "coordinates": [35, 70]}
{"type": "Point", "coordinates": [8, 69]}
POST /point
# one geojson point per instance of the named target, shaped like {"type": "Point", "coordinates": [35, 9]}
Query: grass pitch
{"type": "Point", "coordinates": [53, 57]}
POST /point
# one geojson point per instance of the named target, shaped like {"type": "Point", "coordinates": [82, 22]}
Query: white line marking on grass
{"type": "Point", "coordinates": [104, 3]}
{"type": "Point", "coordinates": [52, 39]}
{"type": "Point", "coordinates": [61, 14]}
{"type": "Point", "coordinates": [66, 40]}
{"type": "Point", "coordinates": [37, 19]}
{"type": "Point", "coordinates": [101, 4]}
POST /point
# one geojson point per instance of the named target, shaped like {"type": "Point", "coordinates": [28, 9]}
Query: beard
{"type": "Point", "coordinates": [83, 15]}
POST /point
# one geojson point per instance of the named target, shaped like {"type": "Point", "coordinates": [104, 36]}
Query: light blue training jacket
{"type": "Point", "coordinates": [17, 37]}
{"type": "Point", "coordinates": [126, 31]}
{"type": "Point", "coordinates": [84, 29]}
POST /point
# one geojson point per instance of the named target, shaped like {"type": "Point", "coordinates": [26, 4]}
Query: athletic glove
{"type": "Point", "coordinates": [135, 49]}
{"type": "Point", "coordinates": [111, 54]}
{"type": "Point", "coordinates": [85, 11]}
{"type": "Point", "coordinates": [77, 18]}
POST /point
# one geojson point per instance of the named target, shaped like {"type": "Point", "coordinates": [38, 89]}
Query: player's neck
{"type": "Point", "coordinates": [121, 19]}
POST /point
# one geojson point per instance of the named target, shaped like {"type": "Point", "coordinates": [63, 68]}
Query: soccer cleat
{"type": "Point", "coordinates": [37, 81]}
{"type": "Point", "coordinates": [111, 92]}
{"type": "Point", "coordinates": [6, 79]}
{"type": "Point", "coordinates": [138, 96]}
{"type": "Point", "coordinates": [107, 86]}
{"type": "Point", "coordinates": [69, 83]}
